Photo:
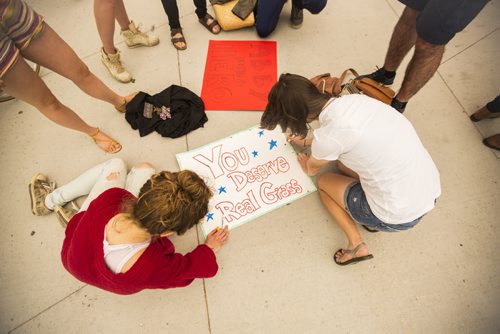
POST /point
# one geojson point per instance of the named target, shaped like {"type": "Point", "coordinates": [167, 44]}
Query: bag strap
{"type": "Point", "coordinates": [344, 74]}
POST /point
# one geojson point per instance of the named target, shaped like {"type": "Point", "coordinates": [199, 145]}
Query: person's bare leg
{"type": "Point", "coordinates": [22, 82]}
{"type": "Point", "coordinates": [49, 50]}
{"type": "Point", "coordinates": [331, 190]}
{"type": "Point", "coordinates": [423, 65]}
{"type": "Point", "coordinates": [121, 15]}
{"type": "Point", "coordinates": [104, 13]}
{"type": "Point", "coordinates": [402, 40]}
{"type": "Point", "coordinates": [347, 171]}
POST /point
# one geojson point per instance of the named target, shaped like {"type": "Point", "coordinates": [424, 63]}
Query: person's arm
{"type": "Point", "coordinates": [310, 165]}
{"type": "Point", "coordinates": [177, 270]}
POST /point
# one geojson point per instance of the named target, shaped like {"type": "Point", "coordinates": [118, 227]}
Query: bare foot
{"type": "Point", "coordinates": [105, 143]}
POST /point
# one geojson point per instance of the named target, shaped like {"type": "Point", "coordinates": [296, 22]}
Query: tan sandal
{"type": "Point", "coordinates": [111, 142]}
{"type": "Point", "coordinates": [123, 107]}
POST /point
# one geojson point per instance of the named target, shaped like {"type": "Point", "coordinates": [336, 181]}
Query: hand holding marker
{"type": "Point", "coordinates": [217, 237]}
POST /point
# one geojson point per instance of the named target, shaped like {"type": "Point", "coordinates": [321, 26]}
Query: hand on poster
{"type": "Point", "coordinates": [217, 238]}
{"type": "Point", "coordinates": [297, 140]}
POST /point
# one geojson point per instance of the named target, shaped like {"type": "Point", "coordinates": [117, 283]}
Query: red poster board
{"type": "Point", "coordinates": [239, 75]}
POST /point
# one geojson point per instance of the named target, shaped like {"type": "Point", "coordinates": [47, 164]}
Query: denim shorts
{"type": "Point", "coordinates": [356, 204]}
{"type": "Point", "coordinates": [440, 20]}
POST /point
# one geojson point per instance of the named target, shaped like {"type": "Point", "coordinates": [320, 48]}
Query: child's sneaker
{"type": "Point", "coordinates": [39, 188]}
{"type": "Point", "coordinates": [133, 37]}
{"type": "Point", "coordinates": [115, 67]}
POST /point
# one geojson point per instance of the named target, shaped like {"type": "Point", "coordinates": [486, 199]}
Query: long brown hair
{"type": "Point", "coordinates": [292, 101]}
{"type": "Point", "coordinates": [170, 202]}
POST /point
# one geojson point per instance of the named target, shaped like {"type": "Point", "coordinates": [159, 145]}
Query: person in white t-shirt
{"type": "Point", "coordinates": [387, 179]}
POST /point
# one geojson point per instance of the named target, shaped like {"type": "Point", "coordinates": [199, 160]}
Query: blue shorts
{"type": "Point", "coordinates": [440, 20]}
{"type": "Point", "coordinates": [356, 204]}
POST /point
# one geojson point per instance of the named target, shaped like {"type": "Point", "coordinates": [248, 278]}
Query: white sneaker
{"type": "Point", "coordinates": [115, 67]}
{"type": "Point", "coordinates": [133, 37]}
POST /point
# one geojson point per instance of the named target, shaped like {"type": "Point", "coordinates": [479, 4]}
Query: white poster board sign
{"type": "Point", "coordinates": [251, 173]}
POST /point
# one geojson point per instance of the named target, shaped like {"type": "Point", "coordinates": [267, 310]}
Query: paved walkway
{"type": "Point", "coordinates": [276, 274]}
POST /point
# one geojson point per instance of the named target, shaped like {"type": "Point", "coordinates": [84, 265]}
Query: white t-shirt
{"type": "Point", "coordinates": [398, 176]}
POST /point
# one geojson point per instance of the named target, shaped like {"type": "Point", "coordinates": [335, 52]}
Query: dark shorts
{"type": "Point", "coordinates": [440, 20]}
{"type": "Point", "coordinates": [356, 204]}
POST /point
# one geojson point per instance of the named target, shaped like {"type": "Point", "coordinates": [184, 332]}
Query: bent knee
{"type": "Point", "coordinates": [144, 165]}
{"type": "Point", "coordinates": [116, 165]}
{"type": "Point", "coordinates": [114, 168]}
{"type": "Point", "coordinates": [263, 31]}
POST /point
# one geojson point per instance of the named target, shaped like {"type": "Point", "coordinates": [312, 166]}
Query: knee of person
{"type": "Point", "coordinates": [144, 165]}
{"type": "Point", "coordinates": [117, 164]}
{"type": "Point", "coordinates": [82, 72]}
{"type": "Point", "coordinates": [263, 31]}
{"type": "Point", "coordinates": [50, 102]}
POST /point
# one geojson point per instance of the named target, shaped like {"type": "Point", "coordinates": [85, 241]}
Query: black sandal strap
{"type": "Point", "coordinates": [177, 40]}
{"type": "Point", "coordinates": [176, 31]}
{"type": "Point", "coordinates": [204, 22]}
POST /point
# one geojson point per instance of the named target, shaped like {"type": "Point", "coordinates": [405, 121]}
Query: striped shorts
{"type": "Point", "coordinates": [19, 24]}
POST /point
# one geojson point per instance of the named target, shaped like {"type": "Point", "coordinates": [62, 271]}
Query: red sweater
{"type": "Point", "coordinates": [159, 267]}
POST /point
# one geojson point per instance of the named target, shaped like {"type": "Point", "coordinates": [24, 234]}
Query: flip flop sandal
{"type": "Point", "coordinates": [176, 40]}
{"type": "Point", "coordinates": [210, 27]}
{"type": "Point", "coordinates": [111, 142]}
{"type": "Point", "coordinates": [352, 252]}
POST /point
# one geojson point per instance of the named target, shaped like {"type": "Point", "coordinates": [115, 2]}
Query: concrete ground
{"type": "Point", "coordinates": [276, 273]}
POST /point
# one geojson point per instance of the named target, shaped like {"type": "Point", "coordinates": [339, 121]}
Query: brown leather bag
{"type": "Point", "coordinates": [327, 84]}
{"type": "Point", "coordinates": [337, 86]}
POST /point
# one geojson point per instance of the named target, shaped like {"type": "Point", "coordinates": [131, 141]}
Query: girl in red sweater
{"type": "Point", "coordinates": [117, 241]}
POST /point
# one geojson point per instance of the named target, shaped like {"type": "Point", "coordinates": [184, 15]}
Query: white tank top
{"type": "Point", "coordinates": [116, 256]}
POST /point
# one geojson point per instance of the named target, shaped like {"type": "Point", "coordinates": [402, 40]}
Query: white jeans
{"type": "Point", "coordinates": [93, 182]}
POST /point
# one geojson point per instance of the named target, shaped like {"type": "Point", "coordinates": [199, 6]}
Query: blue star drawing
{"type": "Point", "coordinates": [255, 154]}
{"type": "Point", "coordinates": [273, 143]}
{"type": "Point", "coordinates": [261, 133]}
{"type": "Point", "coordinates": [222, 190]}
{"type": "Point", "coordinates": [210, 215]}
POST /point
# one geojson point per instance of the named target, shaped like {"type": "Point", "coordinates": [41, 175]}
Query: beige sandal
{"type": "Point", "coordinates": [111, 142]}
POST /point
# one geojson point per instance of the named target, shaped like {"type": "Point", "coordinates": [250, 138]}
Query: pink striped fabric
{"type": "Point", "coordinates": [19, 24]}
